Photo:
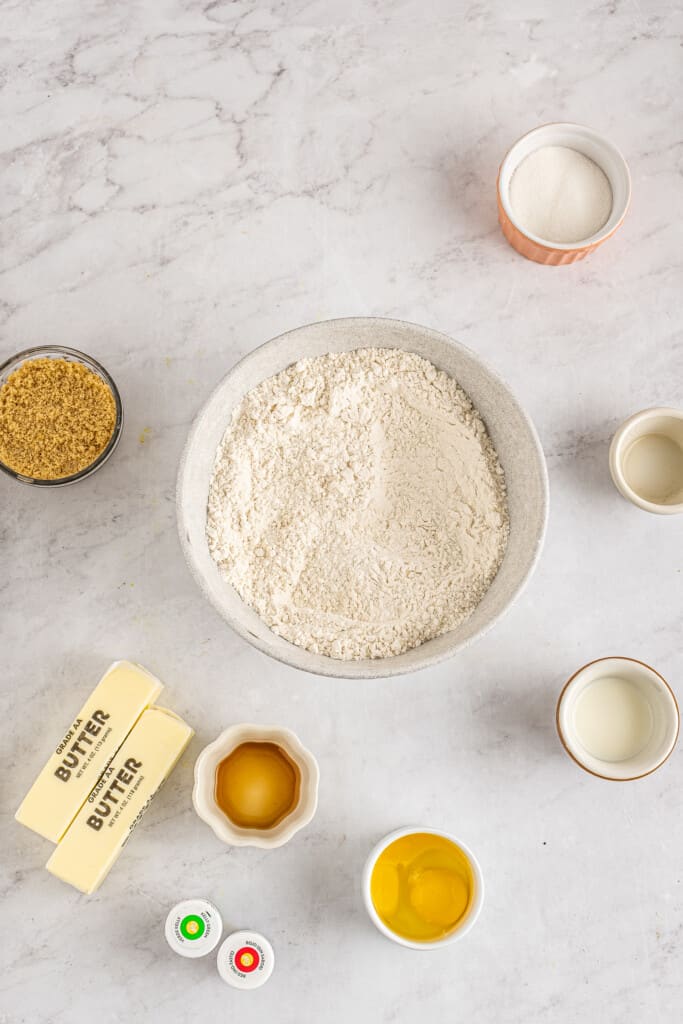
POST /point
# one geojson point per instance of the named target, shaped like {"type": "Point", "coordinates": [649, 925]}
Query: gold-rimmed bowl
{"type": "Point", "coordinates": [662, 703]}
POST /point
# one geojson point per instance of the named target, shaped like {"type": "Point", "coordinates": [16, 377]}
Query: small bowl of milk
{"type": "Point", "coordinates": [618, 719]}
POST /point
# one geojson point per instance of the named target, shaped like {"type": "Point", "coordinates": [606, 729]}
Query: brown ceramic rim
{"type": "Point", "coordinates": [596, 661]}
{"type": "Point", "coordinates": [577, 251]}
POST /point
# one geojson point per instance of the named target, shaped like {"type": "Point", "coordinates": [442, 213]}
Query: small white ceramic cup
{"type": "Point", "coordinates": [665, 718]}
{"type": "Point", "coordinates": [469, 918]}
{"type": "Point", "coordinates": [203, 794]}
{"type": "Point", "coordinates": [665, 425]}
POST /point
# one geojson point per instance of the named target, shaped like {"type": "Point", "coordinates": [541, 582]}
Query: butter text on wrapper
{"type": "Point", "coordinates": [92, 727]}
{"type": "Point", "coordinates": [116, 790]}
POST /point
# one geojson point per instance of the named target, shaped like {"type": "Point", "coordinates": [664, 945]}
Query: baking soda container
{"type": "Point", "coordinates": [246, 960]}
{"type": "Point", "coordinates": [193, 928]}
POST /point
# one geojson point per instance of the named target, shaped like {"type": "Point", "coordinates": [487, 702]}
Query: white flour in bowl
{"type": "Point", "coordinates": [357, 503]}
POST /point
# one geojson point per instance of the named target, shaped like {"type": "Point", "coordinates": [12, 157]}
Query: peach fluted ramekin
{"type": "Point", "coordinates": [592, 145]}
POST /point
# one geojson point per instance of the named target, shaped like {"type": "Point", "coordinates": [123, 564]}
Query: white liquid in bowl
{"type": "Point", "coordinates": [653, 468]}
{"type": "Point", "coordinates": [612, 719]}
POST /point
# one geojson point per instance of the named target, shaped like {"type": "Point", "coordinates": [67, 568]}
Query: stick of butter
{"type": "Point", "coordinates": [105, 821]}
{"type": "Point", "coordinates": [101, 726]}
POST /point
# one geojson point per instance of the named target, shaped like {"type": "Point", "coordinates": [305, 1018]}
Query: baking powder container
{"type": "Point", "coordinates": [596, 148]}
{"type": "Point", "coordinates": [245, 960]}
{"type": "Point", "coordinates": [193, 928]}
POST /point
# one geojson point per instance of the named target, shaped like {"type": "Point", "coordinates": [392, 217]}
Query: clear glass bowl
{"type": "Point", "coordinates": [73, 356]}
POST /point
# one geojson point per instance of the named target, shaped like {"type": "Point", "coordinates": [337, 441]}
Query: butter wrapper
{"type": "Point", "coordinates": [87, 747]}
{"type": "Point", "coordinates": [106, 820]}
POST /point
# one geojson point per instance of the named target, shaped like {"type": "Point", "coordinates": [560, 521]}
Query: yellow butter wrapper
{"type": "Point", "coordinates": [103, 825]}
{"type": "Point", "coordinates": [88, 745]}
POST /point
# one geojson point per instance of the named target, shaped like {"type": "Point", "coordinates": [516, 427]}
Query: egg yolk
{"type": "Point", "coordinates": [421, 886]}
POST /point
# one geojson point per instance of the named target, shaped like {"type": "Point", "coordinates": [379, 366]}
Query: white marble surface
{"type": "Point", "coordinates": [183, 180]}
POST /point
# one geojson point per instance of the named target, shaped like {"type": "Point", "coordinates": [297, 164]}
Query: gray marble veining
{"type": "Point", "coordinates": [184, 180]}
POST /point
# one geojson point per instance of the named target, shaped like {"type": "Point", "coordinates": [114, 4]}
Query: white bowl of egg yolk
{"type": "Point", "coordinates": [422, 888]}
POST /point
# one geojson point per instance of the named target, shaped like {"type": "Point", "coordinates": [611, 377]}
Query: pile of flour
{"type": "Point", "coordinates": [357, 503]}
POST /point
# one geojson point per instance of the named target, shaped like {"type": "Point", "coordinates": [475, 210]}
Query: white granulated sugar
{"type": "Point", "coordinates": [560, 195]}
{"type": "Point", "coordinates": [357, 503]}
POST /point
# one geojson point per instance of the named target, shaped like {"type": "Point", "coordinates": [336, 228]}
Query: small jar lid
{"type": "Point", "coordinates": [246, 960]}
{"type": "Point", "coordinates": [193, 928]}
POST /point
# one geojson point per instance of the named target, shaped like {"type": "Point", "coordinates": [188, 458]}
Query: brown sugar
{"type": "Point", "coordinates": [56, 418]}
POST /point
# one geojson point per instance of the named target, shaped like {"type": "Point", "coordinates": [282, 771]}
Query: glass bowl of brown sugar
{"type": "Point", "coordinates": [61, 416]}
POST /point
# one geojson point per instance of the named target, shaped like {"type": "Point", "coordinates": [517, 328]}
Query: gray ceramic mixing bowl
{"type": "Point", "coordinates": [511, 431]}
